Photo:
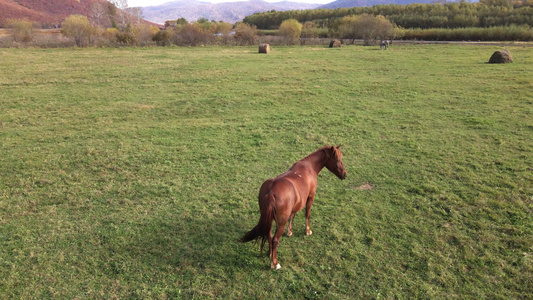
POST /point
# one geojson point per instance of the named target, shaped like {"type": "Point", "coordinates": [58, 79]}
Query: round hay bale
{"type": "Point", "coordinates": [335, 44]}
{"type": "Point", "coordinates": [501, 57]}
{"type": "Point", "coordinates": [264, 48]}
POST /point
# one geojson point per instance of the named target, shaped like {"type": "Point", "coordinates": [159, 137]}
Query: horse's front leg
{"type": "Point", "coordinates": [291, 218]}
{"type": "Point", "coordinates": [308, 205]}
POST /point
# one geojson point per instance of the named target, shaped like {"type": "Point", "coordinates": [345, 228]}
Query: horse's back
{"type": "Point", "coordinates": [286, 194]}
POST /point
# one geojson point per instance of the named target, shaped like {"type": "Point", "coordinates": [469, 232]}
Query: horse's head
{"type": "Point", "coordinates": [334, 163]}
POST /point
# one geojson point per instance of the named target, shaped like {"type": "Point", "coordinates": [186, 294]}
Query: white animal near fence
{"type": "Point", "coordinates": [384, 44]}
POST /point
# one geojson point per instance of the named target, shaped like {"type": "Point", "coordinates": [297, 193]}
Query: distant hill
{"type": "Point", "coordinates": [362, 3]}
{"type": "Point", "coordinates": [231, 12]}
{"type": "Point", "coordinates": [46, 12]}
{"type": "Point", "coordinates": [51, 13]}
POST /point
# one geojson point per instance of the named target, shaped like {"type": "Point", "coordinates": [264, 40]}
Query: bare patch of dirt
{"type": "Point", "coordinates": [365, 187]}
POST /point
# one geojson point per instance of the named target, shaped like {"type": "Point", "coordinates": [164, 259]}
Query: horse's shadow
{"type": "Point", "coordinates": [182, 244]}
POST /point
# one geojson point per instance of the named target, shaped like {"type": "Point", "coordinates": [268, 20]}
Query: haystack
{"type": "Point", "coordinates": [264, 48]}
{"type": "Point", "coordinates": [335, 44]}
{"type": "Point", "coordinates": [501, 57]}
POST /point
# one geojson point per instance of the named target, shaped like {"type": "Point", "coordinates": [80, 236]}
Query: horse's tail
{"type": "Point", "coordinates": [263, 228]}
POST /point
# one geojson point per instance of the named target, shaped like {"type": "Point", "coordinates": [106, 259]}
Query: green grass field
{"type": "Point", "coordinates": [131, 173]}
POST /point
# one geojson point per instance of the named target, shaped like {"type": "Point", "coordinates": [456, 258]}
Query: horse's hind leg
{"type": "Point", "coordinates": [291, 218]}
{"type": "Point", "coordinates": [270, 244]}
{"type": "Point", "coordinates": [275, 242]}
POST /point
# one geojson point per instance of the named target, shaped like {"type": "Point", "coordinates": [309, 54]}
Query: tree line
{"type": "Point", "coordinates": [486, 13]}
{"type": "Point", "coordinates": [84, 32]}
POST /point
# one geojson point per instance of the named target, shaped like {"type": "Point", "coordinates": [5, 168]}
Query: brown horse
{"type": "Point", "coordinates": [282, 197]}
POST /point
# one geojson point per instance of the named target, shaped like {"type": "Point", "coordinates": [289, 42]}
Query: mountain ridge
{"type": "Point", "coordinates": [362, 3]}
{"type": "Point", "coordinates": [231, 12]}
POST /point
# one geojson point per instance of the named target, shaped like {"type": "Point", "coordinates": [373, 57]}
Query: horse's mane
{"type": "Point", "coordinates": [327, 150]}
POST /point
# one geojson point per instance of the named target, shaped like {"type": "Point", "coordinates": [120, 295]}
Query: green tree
{"type": "Point", "coordinates": [290, 30]}
{"type": "Point", "coordinates": [182, 21]}
{"type": "Point", "coordinates": [21, 30]}
{"type": "Point", "coordinates": [417, 15]}
{"type": "Point", "coordinates": [309, 30]}
{"type": "Point", "coordinates": [162, 37]}
{"type": "Point", "coordinates": [347, 28]}
{"type": "Point", "coordinates": [78, 28]}
{"type": "Point", "coordinates": [367, 27]}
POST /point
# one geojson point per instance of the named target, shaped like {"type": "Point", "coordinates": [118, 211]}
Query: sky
{"type": "Point", "coordinates": [135, 3]}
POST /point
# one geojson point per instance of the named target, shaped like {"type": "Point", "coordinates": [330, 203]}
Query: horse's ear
{"type": "Point", "coordinates": [338, 146]}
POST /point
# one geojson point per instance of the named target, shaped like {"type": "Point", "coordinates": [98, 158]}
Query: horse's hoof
{"type": "Point", "coordinates": [309, 232]}
{"type": "Point", "coordinates": [289, 233]}
{"type": "Point", "coordinates": [276, 267]}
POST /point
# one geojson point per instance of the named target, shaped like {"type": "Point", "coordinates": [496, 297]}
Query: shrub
{"type": "Point", "coordinates": [309, 30]}
{"type": "Point", "coordinates": [162, 37]}
{"type": "Point", "coordinates": [110, 34]}
{"type": "Point", "coordinates": [193, 35]}
{"type": "Point", "coordinates": [290, 30]}
{"type": "Point", "coordinates": [21, 30]}
{"type": "Point", "coordinates": [79, 28]}
{"type": "Point", "coordinates": [145, 33]}
{"type": "Point", "coordinates": [224, 31]}
{"type": "Point", "coordinates": [125, 38]}
{"type": "Point", "coordinates": [245, 34]}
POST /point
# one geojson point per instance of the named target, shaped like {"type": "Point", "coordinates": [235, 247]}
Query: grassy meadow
{"type": "Point", "coordinates": [131, 173]}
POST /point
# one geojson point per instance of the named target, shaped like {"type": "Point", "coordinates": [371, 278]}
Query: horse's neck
{"type": "Point", "coordinates": [316, 161]}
